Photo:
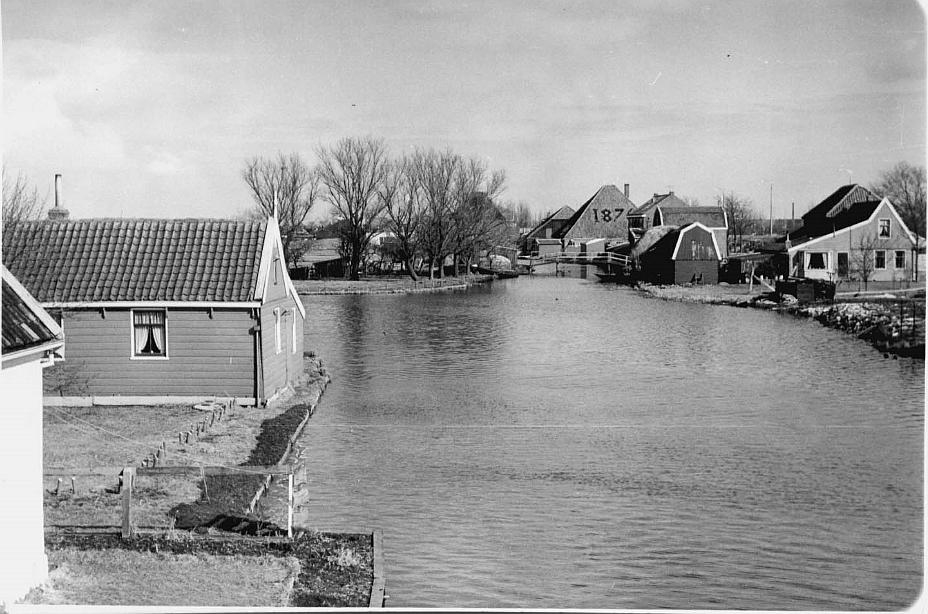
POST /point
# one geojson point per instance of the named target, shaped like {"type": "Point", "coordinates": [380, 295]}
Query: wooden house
{"type": "Point", "coordinates": [851, 234]}
{"type": "Point", "coordinates": [162, 311]}
{"type": "Point", "coordinates": [31, 338]}
{"type": "Point", "coordinates": [713, 218]}
{"type": "Point", "coordinates": [688, 254]}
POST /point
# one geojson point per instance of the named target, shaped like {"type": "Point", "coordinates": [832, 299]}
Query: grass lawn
{"type": "Point", "coordinates": [166, 579]}
{"type": "Point", "coordinates": [176, 568]}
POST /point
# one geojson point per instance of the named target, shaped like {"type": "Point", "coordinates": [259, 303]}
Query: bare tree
{"type": "Point", "coordinates": [405, 211]}
{"type": "Point", "coordinates": [353, 172]}
{"type": "Point", "coordinates": [740, 214]}
{"type": "Point", "coordinates": [435, 174]}
{"type": "Point", "coordinates": [863, 258]}
{"type": "Point", "coordinates": [287, 187]}
{"type": "Point", "coordinates": [21, 203]}
{"type": "Point", "coordinates": [21, 200]}
{"type": "Point", "coordinates": [905, 186]}
{"type": "Point", "coordinates": [477, 220]}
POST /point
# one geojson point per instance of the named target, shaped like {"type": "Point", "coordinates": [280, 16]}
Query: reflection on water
{"type": "Point", "coordinates": [549, 442]}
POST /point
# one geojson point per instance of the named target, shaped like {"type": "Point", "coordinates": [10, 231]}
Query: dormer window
{"type": "Point", "coordinates": [884, 228]}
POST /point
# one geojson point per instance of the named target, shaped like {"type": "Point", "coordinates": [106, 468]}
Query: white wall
{"type": "Point", "coordinates": [23, 563]}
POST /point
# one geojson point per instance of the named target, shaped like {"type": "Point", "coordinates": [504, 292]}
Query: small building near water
{"type": "Point", "coordinates": [31, 341]}
{"type": "Point", "coordinates": [671, 255]}
{"type": "Point", "coordinates": [163, 311]}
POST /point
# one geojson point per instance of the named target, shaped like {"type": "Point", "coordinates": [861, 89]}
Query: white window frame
{"type": "Point", "coordinates": [895, 259]}
{"type": "Point", "coordinates": [277, 329]}
{"type": "Point", "coordinates": [132, 353]}
{"type": "Point", "coordinates": [876, 266]}
{"type": "Point", "coordinates": [293, 332]}
{"type": "Point", "coordinates": [889, 228]}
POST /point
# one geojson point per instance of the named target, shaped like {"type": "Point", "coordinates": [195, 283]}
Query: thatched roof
{"type": "Point", "coordinates": [649, 238]}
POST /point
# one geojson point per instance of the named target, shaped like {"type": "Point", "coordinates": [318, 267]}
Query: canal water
{"type": "Point", "coordinates": [557, 443]}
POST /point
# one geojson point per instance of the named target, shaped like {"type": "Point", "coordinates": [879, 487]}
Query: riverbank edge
{"type": "Point", "coordinates": [868, 321]}
{"type": "Point", "coordinates": [320, 583]}
{"type": "Point", "coordinates": [402, 285]}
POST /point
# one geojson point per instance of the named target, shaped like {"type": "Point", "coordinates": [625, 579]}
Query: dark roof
{"type": "Point", "coordinates": [816, 227]}
{"type": "Point", "coordinates": [842, 198]}
{"type": "Point", "coordinates": [137, 259]}
{"type": "Point", "coordinates": [22, 324]}
{"type": "Point", "coordinates": [652, 237]}
{"type": "Point", "coordinates": [665, 200]}
{"type": "Point", "coordinates": [711, 217]}
{"type": "Point", "coordinates": [561, 215]}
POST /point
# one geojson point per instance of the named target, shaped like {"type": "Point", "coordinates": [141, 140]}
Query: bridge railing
{"type": "Point", "coordinates": [587, 258]}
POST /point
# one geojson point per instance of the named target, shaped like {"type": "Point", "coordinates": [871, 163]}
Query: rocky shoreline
{"type": "Point", "coordinates": [891, 330]}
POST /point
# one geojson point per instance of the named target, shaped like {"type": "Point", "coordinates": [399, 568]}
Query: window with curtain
{"type": "Point", "coordinates": [817, 260]}
{"type": "Point", "coordinates": [148, 333]}
{"type": "Point", "coordinates": [879, 259]}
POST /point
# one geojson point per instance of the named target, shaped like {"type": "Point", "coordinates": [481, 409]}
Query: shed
{"type": "Point", "coordinates": [165, 311]}
{"type": "Point", "coordinates": [689, 254]}
{"type": "Point", "coordinates": [31, 338]}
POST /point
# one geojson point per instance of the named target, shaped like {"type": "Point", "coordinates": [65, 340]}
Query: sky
{"type": "Point", "coordinates": [149, 109]}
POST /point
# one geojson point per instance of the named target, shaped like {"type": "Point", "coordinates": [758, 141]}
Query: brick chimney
{"type": "Point", "coordinates": [58, 212]}
{"type": "Point", "coordinates": [626, 190]}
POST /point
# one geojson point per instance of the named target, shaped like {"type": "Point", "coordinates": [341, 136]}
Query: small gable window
{"type": "Point", "coordinates": [149, 334]}
{"type": "Point", "coordinates": [884, 228]}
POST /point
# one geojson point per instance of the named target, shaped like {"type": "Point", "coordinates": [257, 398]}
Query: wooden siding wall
{"type": "Point", "coordinates": [286, 366]}
{"type": "Point", "coordinates": [206, 356]}
{"type": "Point", "coordinates": [706, 270]}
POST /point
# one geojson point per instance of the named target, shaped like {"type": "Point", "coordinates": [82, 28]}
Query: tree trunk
{"type": "Point", "coordinates": [410, 269]}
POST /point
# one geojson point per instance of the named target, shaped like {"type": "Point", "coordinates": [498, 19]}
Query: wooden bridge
{"type": "Point", "coordinates": [605, 260]}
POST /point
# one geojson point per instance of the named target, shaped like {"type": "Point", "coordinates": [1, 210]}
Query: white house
{"type": "Point", "coordinates": [30, 339]}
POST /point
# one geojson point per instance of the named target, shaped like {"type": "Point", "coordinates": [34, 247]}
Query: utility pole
{"type": "Point", "coordinates": [771, 208]}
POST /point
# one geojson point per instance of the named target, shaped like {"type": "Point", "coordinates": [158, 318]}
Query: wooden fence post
{"type": "Point", "coordinates": [290, 505]}
{"type": "Point", "coordinates": [128, 477]}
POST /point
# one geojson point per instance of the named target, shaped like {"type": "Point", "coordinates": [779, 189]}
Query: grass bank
{"type": "Point", "coordinates": [387, 285]}
{"type": "Point", "coordinates": [167, 566]}
{"type": "Point", "coordinates": [892, 326]}
{"type": "Point", "coordinates": [182, 569]}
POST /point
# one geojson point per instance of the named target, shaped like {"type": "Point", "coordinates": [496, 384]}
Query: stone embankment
{"type": "Point", "coordinates": [893, 327]}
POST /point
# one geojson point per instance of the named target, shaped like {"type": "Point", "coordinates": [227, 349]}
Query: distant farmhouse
{"type": "Point", "coordinates": [601, 219]}
{"type": "Point", "coordinates": [160, 311]}
{"type": "Point", "coordinates": [852, 234]}
{"type": "Point", "coordinates": [31, 340]}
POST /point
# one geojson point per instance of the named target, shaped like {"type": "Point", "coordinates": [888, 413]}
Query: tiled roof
{"type": "Point", "coordinates": [137, 259]}
{"type": "Point", "coordinates": [665, 200]}
{"type": "Point", "coordinates": [711, 217]}
{"type": "Point", "coordinates": [321, 250]}
{"type": "Point", "coordinates": [22, 327]}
